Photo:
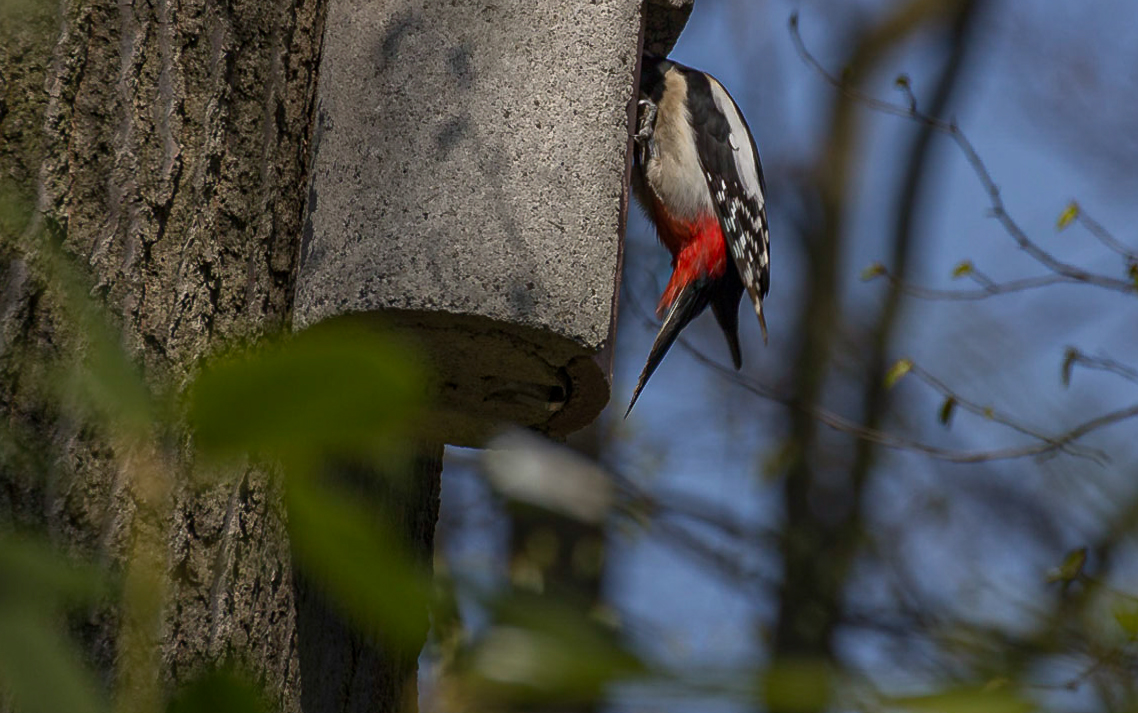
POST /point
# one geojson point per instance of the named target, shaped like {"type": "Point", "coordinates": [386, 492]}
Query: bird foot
{"type": "Point", "coordinates": [646, 125]}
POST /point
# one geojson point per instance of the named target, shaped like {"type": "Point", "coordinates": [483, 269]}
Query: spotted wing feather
{"type": "Point", "coordinates": [734, 176]}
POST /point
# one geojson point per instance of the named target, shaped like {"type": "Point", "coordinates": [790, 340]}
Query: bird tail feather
{"type": "Point", "coordinates": [687, 305]}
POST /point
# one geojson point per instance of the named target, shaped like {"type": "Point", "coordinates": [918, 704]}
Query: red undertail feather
{"type": "Point", "coordinates": [698, 251]}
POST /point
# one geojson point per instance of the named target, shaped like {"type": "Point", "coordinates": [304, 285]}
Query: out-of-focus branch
{"type": "Point", "coordinates": [876, 392]}
{"type": "Point", "coordinates": [997, 207]}
{"type": "Point", "coordinates": [823, 506]}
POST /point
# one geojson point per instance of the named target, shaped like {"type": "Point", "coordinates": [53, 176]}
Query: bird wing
{"type": "Point", "coordinates": [734, 176]}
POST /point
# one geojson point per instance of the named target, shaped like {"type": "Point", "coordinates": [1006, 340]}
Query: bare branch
{"type": "Point", "coordinates": [988, 288]}
{"type": "Point", "coordinates": [995, 200]}
{"type": "Point", "coordinates": [1074, 356]}
{"type": "Point", "coordinates": [1059, 443]}
{"type": "Point", "coordinates": [1105, 237]}
{"type": "Point", "coordinates": [1047, 445]}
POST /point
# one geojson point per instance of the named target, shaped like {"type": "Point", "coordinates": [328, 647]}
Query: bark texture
{"type": "Point", "coordinates": [169, 141]}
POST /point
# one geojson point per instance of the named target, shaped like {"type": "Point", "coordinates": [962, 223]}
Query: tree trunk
{"type": "Point", "coordinates": [169, 141]}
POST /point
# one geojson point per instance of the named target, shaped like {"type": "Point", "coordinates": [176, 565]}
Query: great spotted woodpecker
{"type": "Point", "coordinates": [697, 174]}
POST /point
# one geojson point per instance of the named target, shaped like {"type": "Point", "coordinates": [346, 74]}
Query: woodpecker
{"type": "Point", "coordinates": [698, 177]}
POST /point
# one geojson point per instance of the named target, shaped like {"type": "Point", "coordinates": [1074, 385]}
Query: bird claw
{"type": "Point", "coordinates": [646, 126]}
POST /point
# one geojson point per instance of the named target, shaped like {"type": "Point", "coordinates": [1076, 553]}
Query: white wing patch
{"type": "Point", "coordinates": [740, 203]}
{"type": "Point", "coordinates": [746, 164]}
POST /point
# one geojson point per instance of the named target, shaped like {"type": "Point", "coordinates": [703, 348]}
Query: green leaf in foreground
{"type": "Point", "coordinates": [1126, 616]}
{"type": "Point", "coordinates": [219, 692]}
{"type": "Point", "coordinates": [33, 573]}
{"type": "Point", "coordinates": [541, 650]}
{"type": "Point", "coordinates": [343, 388]}
{"type": "Point", "coordinates": [998, 699]}
{"type": "Point", "coordinates": [343, 544]}
{"type": "Point", "coordinates": [39, 668]}
{"type": "Point", "coordinates": [798, 685]}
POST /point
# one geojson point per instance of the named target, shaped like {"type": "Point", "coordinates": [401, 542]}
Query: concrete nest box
{"type": "Point", "coordinates": [469, 190]}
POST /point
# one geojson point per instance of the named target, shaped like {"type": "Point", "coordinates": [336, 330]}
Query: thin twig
{"type": "Point", "coordinates": [1105, 237]}
{"type": "Point", "coordinates": [1074, 356]}
{"type": "Point", "coordinates": [1046, 445]}
{"type": "Point", "coordinates": [989, 413]}
{"type": "Point", "coordinates": [987, 289]}
{"type": "Point", "coordinates": [995, 200]}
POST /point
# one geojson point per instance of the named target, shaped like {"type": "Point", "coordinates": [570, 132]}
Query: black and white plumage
{"type": "Point", "coordinates": [698, 176]}
{"type": "Point", "coordinates": [734, 175]}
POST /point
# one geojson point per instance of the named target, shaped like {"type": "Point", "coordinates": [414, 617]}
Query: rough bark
{"type": "Point", "coordinates": [169, 141]}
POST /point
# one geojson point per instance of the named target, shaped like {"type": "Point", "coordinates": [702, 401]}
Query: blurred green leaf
{"type": "Point", "coordinates": [339, 388]}
{"type": "Point", "coordinates": [873, 271]}
{"type": "Point", "coordinates": [108, 384]}
{"type": "Point", "coordinates": [897, 372]}
{"type": "Point", "coordinates": [17, 203]}
{"type": "Point", "coordinates": [219, 692]}
{"type": "Point", "coordinates": [1068, 216]}
{"type": "Point", "coordinates": [962, 269]}
{"type": "Point", "coordinates": [39, 669]}
{"type": "Point", "coordinates": [798, 685]}
{"type": "Point", "coordinates": [968, 700]}
{"type": "Point", "coordinates": [902, 81]}
{"type": "Point", "coordinates": [1126, 615]}
{"type": "Point", "coordinates": [1132, 272]}
{"type": "Point", "coordinates": [1071, 567]}
{"type": "Point", "coordinates": [32, 573]}
{"type": "Point", "coordinates": [346, 547]}
{"type": "Point", "coordinates": [96, 376]}
{"type": "Point", "coordinates": [25, 11]}
{"type": "Point", "coordinates": [946, 410]}
{"type": "Point", "coordinates": [540, 650]}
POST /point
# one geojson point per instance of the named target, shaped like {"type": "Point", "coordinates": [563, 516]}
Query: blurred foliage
{"type": "Point", "coordinates": [26, 10]}
{"type": "Point", "coordinates": [220, 691]}
{"type": "Point", "coordinates": [997, 698]}
{"type": "Point", "coordinates": [39, 667]}
{"type": "Point", "coordinates": [292, 402]}
{"type": "Point", "coordinates": [297, 403]}
{"type": "Point", "coordinates": [341, 389]}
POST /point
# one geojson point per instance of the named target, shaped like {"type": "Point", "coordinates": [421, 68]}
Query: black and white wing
{"type": "Point", "coordinates": [734, 177]}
